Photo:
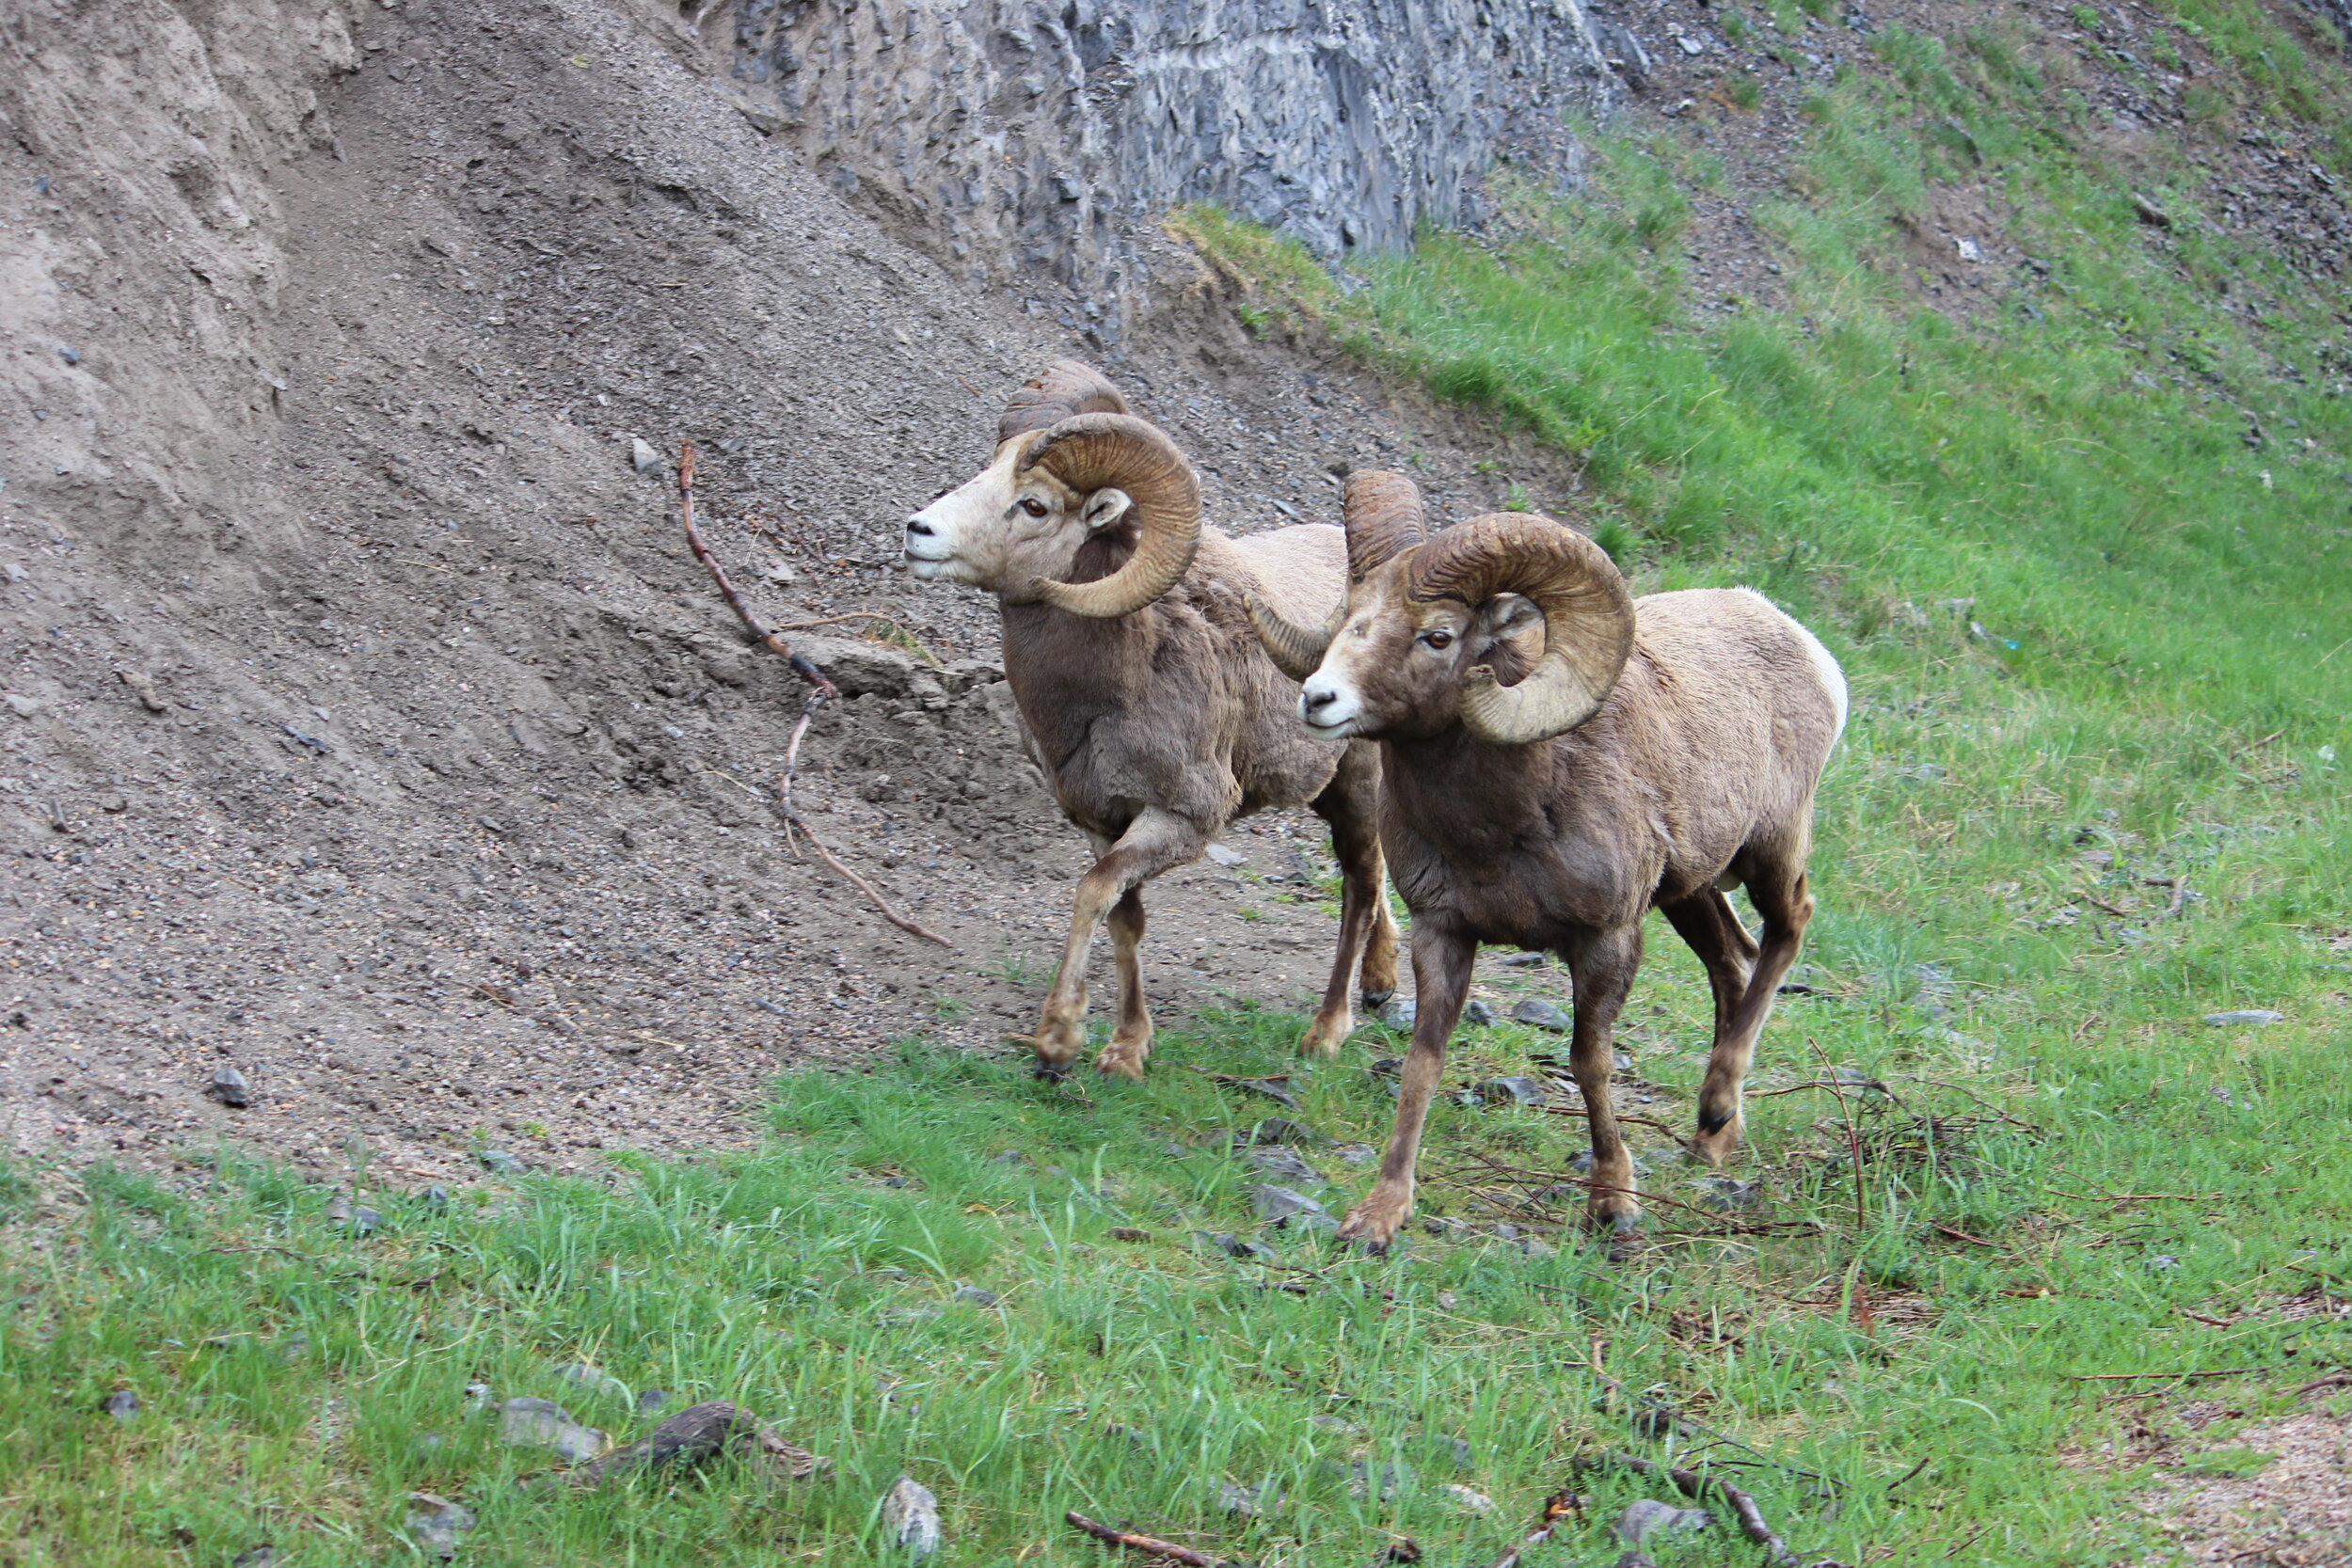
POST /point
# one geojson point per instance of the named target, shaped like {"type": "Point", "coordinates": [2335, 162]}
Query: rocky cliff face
{"type": "Point", "coordinates": [1012, 135]}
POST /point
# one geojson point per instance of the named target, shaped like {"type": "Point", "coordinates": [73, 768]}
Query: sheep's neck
{"type": "Point", "coordinates": [1468, 799]}
{"type": "Point", "coordinates": [1067, 671]}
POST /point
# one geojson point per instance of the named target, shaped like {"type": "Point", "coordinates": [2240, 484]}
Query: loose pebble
{"type": "Point", "coordinates": [545, 1424]}
{"type": "Point", "coordinates": [229, 1087]}
{"type": "Point", "coordinates": [437, 1525]}
{"type": "Point", "coordinates": [2257, 1018]}
{"type": "Point", "coordinates": [910, 1518]}
{"type": "Point", "coordinates": [1541, 1014]}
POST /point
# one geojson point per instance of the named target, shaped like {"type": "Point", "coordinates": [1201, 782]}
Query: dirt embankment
{"type": "Point", "coordinates": [368, 729]}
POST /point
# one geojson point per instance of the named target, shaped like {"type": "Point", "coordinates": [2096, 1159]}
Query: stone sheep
{"type": "Point", "coordinates": [1645, 753]}
{"type": "Point", "coordinates": [1146, 699]}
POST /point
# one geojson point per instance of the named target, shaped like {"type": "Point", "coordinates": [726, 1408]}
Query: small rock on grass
{"type": "Point", "coordinates": [1525, 961]}
{"type": "Point", "coordinates": [1726, 1194]}
{"type": "Point", "coordinates": [1226, 855]}
{"type": "Point", "coordinates": [437, 1525]}
{"type": "Point", "coordinates": [972, 1295]}
{"type": "Point", "coordinates": [910, 1517]}
{"type": "Point", "coordinates": [694, 1435]}
{"type": "Point", "coordinates": [259, 1557]}
{"type": "Point", "coordinates": [1247, 1502]}
{"type": "Point", "coordinates": [545, 1424]}
{"type": "Point", "coordinates": [589, 1380]}
{"type": "Point", "coordinates": [1285, 1208]}
{"type": "Point", "coordinates": [1647, 1518]}
{"type": "Point", "coordinates": [1478, 1015]}
{"type": "Point", "coordinates": [2255, 1018]}
{"type": "Point", "coordinates": [499, 1161]}
{"type": "Point", "coordinates": [653, 1402]}
{"type": "Point", "coordinates": [1282, 1163]}
{"type": "Point", "coordinates": [1468, 1499]}
{"type": "Point", "coordinates": [1236, 1246]}
{"type": "Point", "coordinates": [1540, 1014]}
{"type": "Point", "coordinates": [1398, 1013]}
{"type": "Point", "coordinates": [1512, 1091]}
{"type": "Point", "coordinates": [122, 1405]}
{"type": "Point", "coordinates": [229, 1087]}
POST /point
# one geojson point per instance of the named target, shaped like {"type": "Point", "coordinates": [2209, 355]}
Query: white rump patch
{"type": "Point", "coordinates": [1833, 679]}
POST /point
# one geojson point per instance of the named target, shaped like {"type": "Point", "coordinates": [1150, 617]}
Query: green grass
{"type": "Point", "coordinates": [2098, 651]}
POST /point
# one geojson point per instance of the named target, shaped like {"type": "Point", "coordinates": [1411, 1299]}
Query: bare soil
{"type": "Point", "coordinates": [369, 730]}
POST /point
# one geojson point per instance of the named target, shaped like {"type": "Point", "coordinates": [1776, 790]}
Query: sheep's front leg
{"type": "Point", "coordinates": [1156, 840]}
{"type": "Point", "coordinates": [1441, 975]}
{"type": "Point", "coordinates": [1351, 804]}
{"type": "Point", "coordinates": [1602, 968]}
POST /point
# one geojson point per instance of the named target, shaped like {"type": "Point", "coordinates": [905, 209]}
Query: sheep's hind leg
{"type": "Point", "coordinates": [1603, 967]}
{"type": "Point", "coordinates": [1787, 906]}
{"type": "Point", "coordinates": [1154, 842]}
{"type": "Point", "coordinates": [1351, 804]}
{"type": "Point", "coordinates": [1707, 922]}
{"type": "Point", "coordinates": [1441, 975]}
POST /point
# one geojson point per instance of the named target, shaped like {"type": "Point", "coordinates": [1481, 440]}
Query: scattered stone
{"type": "Point", "coordinates": [259, 1557]}
{"type": "Point", "coordinates": [694, 1435]}
{"type": "Point", "coordinates": [1247, 1502]}
{"type": "Point", "coordinates": [1647, 1518]}
{"type": "Point", "coordinates": [1277, 1130]}
{"type": "Point", "coordinates": [2149, 213]}
{"type": "Point", "coordinates": [1541, 1014]}
{"type": "Point", "coordinates": [1277, 1089]}
{"type": "Point", "coordinates": [71, 356]}
{"type": "Point", "coordinates": [910, 1517]}
{"type": "Point", "coordinates": [229, 1087]}
{"type": "Point", "coordinates": [436, 1198]}
{"type": "Point", "coordinates": [600, 1385]}
{"type": "Point", "coordinates": [2256, 1018]}
{"type": "Point", "coordinates": [1478, 1015]}
{"type": "Point", "coordinates": [2164, 1262]}
{"type": "Point", "coordinates": [1282, 1163]}
{"type": "Point", "coordinates": [974, 1295]}
{"type": "Point", "coordinates": [22, 707]}
{"type": "Point", "coordinates": [1129, 1233]}
{"type": "Point", "coordinates": [122, 1405]}
{"type": "Point", "coordinates": [1468, 1500]}
{"type": "Point", "coordinates": [477, 1398]}
{"type": "Point", "coordinates": [1226, 855]}
{"type": "Point", "coordinates": [341, 1211]}
{"type": "Point", "coordinates": [1512, 1091]}
{"type": "Point", "coordinates": [1367, 1481]}
{"type": "Point", "coordinates": [643, 456]}
{"type": "Point", "coordinates": [545, 1424]}
{"type": "Point", "coordinates": [1525, 961]}
{"type": "Point", "coordinates": [1726, 1194]}
{"type": "Point", "coordinates": [653, 1402]}
{"type": "Point", "coordinates": [499, 1161]}
{"type": "Point", "coordinates": [1236, 1246]}
{"type": "Point", "coordinates": [1357, 1155]}
{"type": "Point", "coordinates": [1280, 1206]}
{"type": "Point", "coordinates": [436, 1524]}
{"type": "Point", "coordinates": [1398, 1013]}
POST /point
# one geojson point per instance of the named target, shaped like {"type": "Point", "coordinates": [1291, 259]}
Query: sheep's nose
{"type": "Point", "coordinates": [917, 526]}
{"type": "Point", "coordinates": [1312, 702]}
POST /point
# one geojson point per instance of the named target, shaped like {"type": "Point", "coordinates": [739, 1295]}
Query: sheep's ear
{"type": "Point", "coordinates": [1506, 615]}
{"type": "Point", "coordinates": [1105, 508]}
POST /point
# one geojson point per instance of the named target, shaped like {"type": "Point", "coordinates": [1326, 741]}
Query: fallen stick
{"type": "Point", "coordinates": [821, 691]}
{"type": "Point", "coordinates": [1696, 1487]}
{"type": "Point", "coordinates": [1558, 1506]}
{"type": "Point", "coordinates": [2176, 1377]}
{"type": "Point", "coordinates": [1150, 1546]}
{"type": "Point", "coordinates": [693, 1435]}
{"type": "Point", "coordinates": [2333, 1380]}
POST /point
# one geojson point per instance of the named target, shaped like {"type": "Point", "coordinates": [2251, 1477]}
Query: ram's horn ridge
{"type": "Point", "coordinates": [1062, 390]}
{"type": "Point", "coordinates": [1588, 620]}
{"type": "Point", "coordinates": [1093, 451]}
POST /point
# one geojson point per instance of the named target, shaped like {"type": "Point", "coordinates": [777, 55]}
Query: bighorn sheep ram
{"type": "Point", "coordinates": [1654, 753]}
{"type": "Point", "coordinates": [1147, 700]}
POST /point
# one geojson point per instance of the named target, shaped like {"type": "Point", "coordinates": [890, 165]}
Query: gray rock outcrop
{"type": "Point", "coordinates": [1014, 135]}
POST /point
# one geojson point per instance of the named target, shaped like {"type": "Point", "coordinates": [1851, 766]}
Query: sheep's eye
{"type": "Point", "coordinates": [1033, 506]}
{"type": "Point", "coordinates": [1440, 638]}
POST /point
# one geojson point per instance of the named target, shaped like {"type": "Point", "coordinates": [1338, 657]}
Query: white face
{"type": "Point", "coordinates": [1005, 528]}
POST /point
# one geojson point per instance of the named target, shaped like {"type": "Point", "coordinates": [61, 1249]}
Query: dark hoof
{"type": "Point", "coordinates": [1373, 999]}
{"type": "Point", "coordinates": [1051, 1072]}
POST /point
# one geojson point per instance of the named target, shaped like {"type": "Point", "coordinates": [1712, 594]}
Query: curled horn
{"type": "Point", "coordinates": [1297, 651]}
{"type": "Point", "coordinates": [1091, 451]}
{"type": "Point", "coordinates": [1382, 510]}
{"type": "Point", "coordinates": [1062, 390]}
{"type": "Point", "coordinates": [1384, 518]}
{"type": "Point", "coordinates": [1588, 620]}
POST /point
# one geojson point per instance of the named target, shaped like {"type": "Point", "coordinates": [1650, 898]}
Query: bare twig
{"type": "Point", "coordinates": [1558, 1506]}
{"type": "Point", "coordinates": [1961, 1235]}
{"type": "Point", "coordinates": [1697, 1487]}
{"type": "Point", "coordinates": [1167, 1551]}
{"type": "Point", "coordinates": [2333, 1380]}
{"type": "Point", "coordinates": [2257, 745]}
{"type": "Point", "coordinates": [1586, 1114]}
{"type": "Point", "coordinates": [821, 691]}
{"type": "Point", "coordinates": [2176, 1377]}
{"type": "Point", "coordinates": [1853, 1140]}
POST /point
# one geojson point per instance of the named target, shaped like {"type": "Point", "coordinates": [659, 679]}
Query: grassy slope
{"type": "Point", "coordinates": [2153, 611]}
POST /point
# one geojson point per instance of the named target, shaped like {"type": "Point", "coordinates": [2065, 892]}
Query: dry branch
{"type": "Point", "coordinates": [1697, 1487]}
{"type": "Point", "coordinates": [1558, 1506]}
{"type": "Point", "coordinates": [821, 691]}
{"type": "Point", "coordinates": [1167, 1551]}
